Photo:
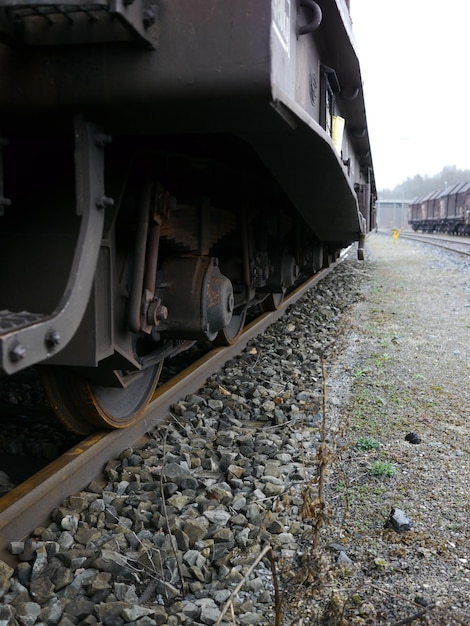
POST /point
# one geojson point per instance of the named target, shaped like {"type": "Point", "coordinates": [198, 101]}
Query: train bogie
{"type": "Point", "coordinates": [161, 174]}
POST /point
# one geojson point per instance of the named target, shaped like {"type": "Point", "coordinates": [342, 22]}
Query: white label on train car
{"type": "Point", "coordinates": [281, 22]}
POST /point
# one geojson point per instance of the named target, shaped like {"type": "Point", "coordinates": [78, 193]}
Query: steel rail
{"type": "Point", "coordinates": [439, 242]}
{"type": "Point", "coordinates": [30, 504]}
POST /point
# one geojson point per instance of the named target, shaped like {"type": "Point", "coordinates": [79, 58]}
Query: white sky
{"type": "Point", "coordinates": [415, 64]}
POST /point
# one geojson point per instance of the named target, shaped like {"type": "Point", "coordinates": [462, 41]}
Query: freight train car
{"type": "Point", "coordinates": [442, 211]}
{"type": "Point", "coordinates": [165, 165]}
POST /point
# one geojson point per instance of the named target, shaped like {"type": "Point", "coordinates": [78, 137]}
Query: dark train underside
{"type": "Point", "coordinates": [149, 198]}
{"type": "Point", "coordinates": [193, 239]}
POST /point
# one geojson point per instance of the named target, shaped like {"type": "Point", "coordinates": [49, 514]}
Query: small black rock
{"type": "Point", "coordinates": [413, 438]}
{"type": "Point", "coordinates": [398, 521]}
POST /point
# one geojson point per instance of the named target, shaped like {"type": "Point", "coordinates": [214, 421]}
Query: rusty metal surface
{"type": "Point", "coordinates": [29, 505]}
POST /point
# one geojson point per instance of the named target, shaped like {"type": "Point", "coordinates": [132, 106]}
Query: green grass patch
{"type": "Point", "coordinates": [382, 468]}
{"type": "Point", "coordinates": [367, 443]}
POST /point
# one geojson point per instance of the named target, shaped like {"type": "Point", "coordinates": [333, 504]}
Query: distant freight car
{"type": "Point", "coordinates": [443, 211]}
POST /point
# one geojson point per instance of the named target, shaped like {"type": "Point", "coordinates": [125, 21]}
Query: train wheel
{"type": "Point", "coordinates": [83, 406]}
{"type": "Point", "coordinates": [55, 381]}
{"type": "Point", "coordinates": [273, 302]}
{"type": "Point", "coordinates": [230, 334]}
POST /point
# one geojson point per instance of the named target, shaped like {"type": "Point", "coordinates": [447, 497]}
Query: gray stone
{"type": "Point", "coordinates": [126, 593]}
{"type": "Point", "coordinates": [217, 405]}
{"type": "Point", "coordinates": [222, 492]}
{"type": "Point", "coordinates": [80, 608]}
{"type": "Point", "coordinates": [285, 538]}
{"type": "Point", "coordinates": [27, 613]}
{"type": "Point", "coordinates": [271, 489]}
{"type": "Point", "coordinates": [62, 577]}
{"type": "Point", "coordinates": [210, 612]}
{"type": "Point", "coordinates": [78, 502]}
{"type": "Point", "coordinates": [195, 400]}
{"type": "Point", "coordinates": [187, 482]}
{"type": "Point", "coordinates": [98, 582]}
{"type": "Point", "coordinates": [75, 558]}
{"type": "Point", "coordinates": [218, 516]}
{"type": "Point", "coordinates": [235, 471]}
{"type": "Point", "coordinates": [66, 621]}
{"type": "Point", "coordinates": [110, 613]}
{"type": "Point", "coordinates": [169, 488]}
{"type": "Point", "coordinates": [133, 613]}
{"type": "Point", "coordinates": [196, 529]}
{"type": "Point", "coordinates": [66, 540]}
{"type": "Point", "coordinates": [41, 590]}
{"type": "Point", "coordinates": [7, 615]}
{"type": "Point", "coordinates": [343, 558]}
{"type": "Point", "coordinates": [398, 521]}
{"type": "Point", "coordinates": [6, 572]}
{"type": "Point", "coordinates": [86, 535]}
{"type": "Point", "coordinates": [182, 539]}
{"type": "Point", "coordinates": [16, 547]}
{"type": "Point", "coordinates": [160, 616]}
{"type": "Point", "coordinates": [194, 557]}
{"type": "Point", "coordinates": [191, 609]}
{"type": "Point", "coordinates": [52, 613]}
{"type": "Point", "coordinates": [223, 535]}
{"type": "Point", "coordinates": [199, 573]}
{"type": "Point", "coordinates": [250, 618]}
{"type": "Point", "coordinates": [178, 501]}
{"type": "Point", "coordinates": [40, 562]}
{"type": "Point", "coordinates": [147, 621]}
{"type": "Point", "coordinates": [70, 522]}
{"type": "Point", "coordinates": [23, 572]}
{"type": "Point", "coordinates": [276, 527]}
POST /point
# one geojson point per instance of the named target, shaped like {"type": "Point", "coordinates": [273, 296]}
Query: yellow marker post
{"type": "Point", "coordinates": [395, 232]}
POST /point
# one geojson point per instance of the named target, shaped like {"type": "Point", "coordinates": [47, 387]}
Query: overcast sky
{"type": "Point", "coordinates": [415, 63]}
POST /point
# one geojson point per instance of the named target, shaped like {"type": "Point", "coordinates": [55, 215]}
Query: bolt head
{"type": "Point", "coordinates": [53, 338]}
{"type": "Point", "coordinates": [17, 352]}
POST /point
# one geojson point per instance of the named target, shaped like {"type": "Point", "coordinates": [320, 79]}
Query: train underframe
{"type": "Point", "coordinates": [459, 226]}
{"type": "Point", "coordinates": [237, 161]}
{"type": "Point", "coordinates": [191, 233]}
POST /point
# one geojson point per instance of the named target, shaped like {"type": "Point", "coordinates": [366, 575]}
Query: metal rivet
{"type": "Point", "coordinates": [17, 353]}
{"type": "Point", "coordinates": [52, 338]}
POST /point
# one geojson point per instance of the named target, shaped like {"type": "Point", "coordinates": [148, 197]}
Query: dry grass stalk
{"type": "Point", "coordinates": [229, 602]}
{"type": "Point", "coordinates": [314, 505]}
{"type": "Point", "coordinates": [165, 514]}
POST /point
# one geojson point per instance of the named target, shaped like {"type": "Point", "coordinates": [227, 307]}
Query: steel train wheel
{"type": "Point", "coordinates": [55, 381]}
{"type": "Point", "coordinates": [273, 302]}
{"type": "Point", "coordinates": [229, 335]}
{"type": "Point", "coordinates": [83, 406]}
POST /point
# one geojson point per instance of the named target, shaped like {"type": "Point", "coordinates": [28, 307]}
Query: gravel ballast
{"type": "Point", "coordinates": [360, 392]}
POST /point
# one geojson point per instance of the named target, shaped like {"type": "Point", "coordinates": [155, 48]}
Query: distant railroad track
{"type": "Point", "coordinates": [459, 245]}
{"type": "Point", "coordinates": [29, 505]}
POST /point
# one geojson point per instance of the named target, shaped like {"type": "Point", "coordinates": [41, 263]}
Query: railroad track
{"type": "Point", "coordinates": [29, 505]}
{"type": "Point", "coordinates": [458, 245]}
